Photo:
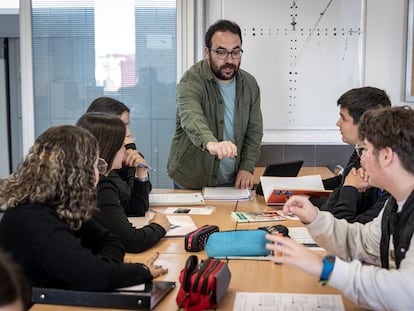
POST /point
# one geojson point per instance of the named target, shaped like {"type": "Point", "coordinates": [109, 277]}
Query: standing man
{"type": "Point", "coordinates": [353, 199]}
{"type": "Point", "coordinates": [385, 245]}
{"type": "Point", "coordinates": [219, 124]}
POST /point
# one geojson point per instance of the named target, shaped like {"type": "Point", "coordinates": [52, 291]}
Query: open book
{"type": "Point", "coordinates": [277, 190]}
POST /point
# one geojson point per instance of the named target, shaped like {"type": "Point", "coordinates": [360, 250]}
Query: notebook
{"type": "Point", "coordinates": [285, 169]}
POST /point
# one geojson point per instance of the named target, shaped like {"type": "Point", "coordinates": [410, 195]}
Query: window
{"type": "Point", "coordinates": [122, 49]}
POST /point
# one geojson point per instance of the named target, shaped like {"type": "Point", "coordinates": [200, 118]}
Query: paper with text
{"type": "Point", "coordinates": [246, 301]}
{"type": "Point", "coordinates": [163, 199]}
{"type": "Point", "coordinates": [180, 225]}
{"type": "Point", "coordinates": [226, 193]}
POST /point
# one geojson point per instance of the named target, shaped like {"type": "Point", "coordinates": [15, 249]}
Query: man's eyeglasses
{"type": "Point", "coordinates": [102, 166]}
{"type": "Point", "coordinates": [223, 53]}
{"type": "Point", "coordinates": [359, 150]}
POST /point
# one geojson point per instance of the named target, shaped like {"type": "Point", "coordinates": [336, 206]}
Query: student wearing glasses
{"type": "Point", "coordinates": [132, 179]}
{"type": "Point", "coordinates": [47, 226]}
{"type": "Point", "coordinates": [109, 130]}
{"type": "Point", "coordinates": [353, 198]}
{"type": "Point", "coordinates": [373, 263]}
{"type": "Point", "coordinates": [219, 123]}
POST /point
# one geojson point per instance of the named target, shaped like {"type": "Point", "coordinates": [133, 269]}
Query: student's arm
{"type": "Point", "coordinates": [62, 257]}
{"type": "Point", "coordinates": [112, 217]}
{"type": "Point", "coordinates": [100, 241]}
{"type": "Point", "coordinates": [372, 211]}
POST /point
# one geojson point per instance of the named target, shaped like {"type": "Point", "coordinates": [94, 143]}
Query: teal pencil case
{"type": "Point", "coordinates": [237, 243]}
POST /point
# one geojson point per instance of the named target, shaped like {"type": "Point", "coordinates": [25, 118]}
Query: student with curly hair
{"type": "Point", "coordinates": [47, 226]}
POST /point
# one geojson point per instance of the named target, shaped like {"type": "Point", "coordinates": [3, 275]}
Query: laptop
{"type": "Point", "coordinates": [285, 169]}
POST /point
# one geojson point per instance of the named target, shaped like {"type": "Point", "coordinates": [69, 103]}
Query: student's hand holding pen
{"type": "Point", "coordinates": [162, 220]}
{"type": "Point", "coordinates": [133, 158]}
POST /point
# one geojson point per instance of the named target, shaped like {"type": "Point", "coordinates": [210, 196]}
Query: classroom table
{"type": "Point", "coordinates": [247, 275]}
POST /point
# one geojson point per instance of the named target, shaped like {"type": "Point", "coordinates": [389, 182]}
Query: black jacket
{"type": "Point", "coordinates": [111, 216]}
{"type": "Point", "coordinates": [133, 193]}
{"type": "Point", "coordinates": [53, 255]}
{"type": "Point", "coordinates": [347, 202]}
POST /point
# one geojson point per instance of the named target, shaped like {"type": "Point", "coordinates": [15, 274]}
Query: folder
{"type": "Point", "coordinates": [145, 299]}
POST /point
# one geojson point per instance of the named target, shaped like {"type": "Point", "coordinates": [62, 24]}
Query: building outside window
{"type": "Point", "coordinates": [121, 49]}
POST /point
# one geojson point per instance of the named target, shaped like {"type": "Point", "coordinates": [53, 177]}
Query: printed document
{"type": "Point", "coordinates": [173, 199]}
{"type": "Point", "coordinates": [283, 301]}
{"type": "Point", "coordinates": [226, 193]}
{"type": "Point", "coordinates": [180, 225]}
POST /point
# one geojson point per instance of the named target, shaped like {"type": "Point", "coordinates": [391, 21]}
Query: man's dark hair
{"type": "Point", "coordinates": [359, 100]}
{"type": "Point", "coordinates": [393, 128]}
{"type": "Point", "coordinates": [221, 25]}
{"type": "Point", "coordinates": [107, 105]}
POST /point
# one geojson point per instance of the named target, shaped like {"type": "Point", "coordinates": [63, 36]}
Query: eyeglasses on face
{"type": "Point", "coordinates": [102, 166]}
{"type": "Point", "coordinates": [359, 149]}
{"type": "Point", "coordinates": [223, 53]}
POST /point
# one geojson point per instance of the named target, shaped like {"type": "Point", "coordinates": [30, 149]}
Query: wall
{"type": "Point", "coordinates": [384, 68]}
{"type": "Point", "coordinates": [386, 30]}
{"type": "Point", "coordinates": [386, 47]}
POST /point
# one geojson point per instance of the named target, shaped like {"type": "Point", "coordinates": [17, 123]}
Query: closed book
{"type": "Point", "coordinates": [145, 299]}
{"type": "Point", "coordinates": [226, 193]}
{"type": "Point", "coordinates": [257, 216]}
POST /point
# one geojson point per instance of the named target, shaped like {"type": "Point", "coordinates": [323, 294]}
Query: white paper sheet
{"type": "Point", "coordinates": [245, 301]}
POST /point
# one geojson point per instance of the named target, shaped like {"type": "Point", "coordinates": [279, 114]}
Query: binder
{"type": "Point", "coordinates": [146, 299]}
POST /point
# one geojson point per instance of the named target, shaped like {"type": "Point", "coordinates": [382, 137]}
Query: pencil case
{"type": "Point", "coordinates": [237, 243]}
{"type": "Point", "coordinates": [195, 241]}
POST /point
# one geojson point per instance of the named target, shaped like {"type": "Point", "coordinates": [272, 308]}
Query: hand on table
{"type": "Point", "coordinates": [244, 180]}
{"type": "Point", "coordinates": [155, 270]}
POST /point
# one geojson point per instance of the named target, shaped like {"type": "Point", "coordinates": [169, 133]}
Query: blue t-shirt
{"type": "Point", "coordinates": [227, 171]}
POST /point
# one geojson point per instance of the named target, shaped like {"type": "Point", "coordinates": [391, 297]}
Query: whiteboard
{"type": "Point", "coordinates": [304, 54]}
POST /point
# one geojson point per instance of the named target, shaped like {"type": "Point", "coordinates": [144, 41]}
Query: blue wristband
{"type": "Point", "coordinates": [328, 265]}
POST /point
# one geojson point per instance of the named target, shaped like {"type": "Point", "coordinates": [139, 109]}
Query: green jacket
{"type": "Point", "coordinates": [200, 119]}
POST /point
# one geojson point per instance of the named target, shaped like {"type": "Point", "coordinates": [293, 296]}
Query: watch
{"type": "Point", "coordinates": [328, 265]}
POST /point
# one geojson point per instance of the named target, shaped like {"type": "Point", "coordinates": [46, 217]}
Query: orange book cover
{"type": "Point", "coordinates": [279, 197]}
{"type": "Point", "coordinates": [277, 190]}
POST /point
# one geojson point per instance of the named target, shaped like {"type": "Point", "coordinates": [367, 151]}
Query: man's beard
{"type": "Point", "coordinates": [218, 71]}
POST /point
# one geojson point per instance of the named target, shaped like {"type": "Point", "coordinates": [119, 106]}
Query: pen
{"type": "Point", "coordinates": [146, 166]}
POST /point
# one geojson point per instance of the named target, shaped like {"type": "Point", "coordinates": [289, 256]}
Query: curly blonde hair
{"type": "Point", "coordinates": [58, 171]}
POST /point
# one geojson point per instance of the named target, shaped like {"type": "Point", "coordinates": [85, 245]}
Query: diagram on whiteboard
{"type": "Point", "coordinates": [304, 55]}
